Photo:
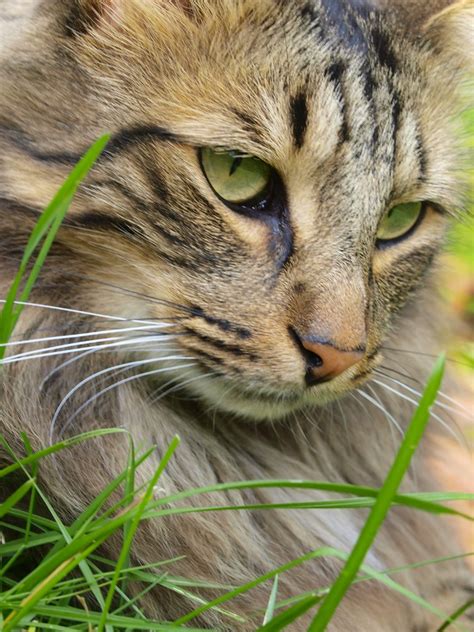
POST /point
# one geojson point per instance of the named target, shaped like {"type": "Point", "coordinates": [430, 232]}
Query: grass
{"type": "Point", "coordinates": [56, 593]}
{"type": "Point", "coordinates": [41, 239]}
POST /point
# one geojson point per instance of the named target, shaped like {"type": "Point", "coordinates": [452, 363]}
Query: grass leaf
{"type": "Point", "coordinates": [384, 500]}
{"type": "Point", "coordinates": [45, 230]}
{"type": "Point", "coordinates": [271, 602]}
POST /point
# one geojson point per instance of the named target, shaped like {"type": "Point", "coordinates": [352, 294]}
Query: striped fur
{"type": "Point", "coordinates": [352, 104]}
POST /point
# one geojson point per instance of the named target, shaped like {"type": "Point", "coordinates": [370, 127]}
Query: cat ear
{"type": "Point", "coordinates": [451, 32]}
{"type": "Point", "coordinates": [448, 25]}
{"type": "Point", "coordinates": [416, 13]}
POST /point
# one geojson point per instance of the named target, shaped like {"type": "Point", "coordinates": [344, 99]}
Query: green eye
{"type": "Point", "coordinates": [399, 221]}
{"type": "Point", "coordinates": [234, 177]}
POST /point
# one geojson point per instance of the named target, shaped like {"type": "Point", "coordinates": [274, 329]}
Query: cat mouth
{"type": "Point", "coordinates": [264, 402]}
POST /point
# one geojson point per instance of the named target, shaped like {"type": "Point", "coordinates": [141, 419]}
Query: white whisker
{"type": "Point", "coordinates": [80, 312]}
{"type": "Point", "coordinates": [111, 387]}
{"type": "Point", "coordinates": [419, 394]}
{"type": "Point", "coordinates": [57, 350]}
{"type": "Point", "coordinates": [89, 378]}
{"type": "Point", "coordinates": [112, 348]}
{"type": "Point", "coordinates": [420, 383]}
{"type": "Point", "coordinates": [178, 386]}
{"type": "Point", "coordinates": [88, 334]}
{"type": "Point", "coordinates": [456, 403]}
{"type": "Point", "coordinates": [20, 336]}
{"type": "Point", "coordinates": [344, 418]}
{"type": "Point", "coordinates": [158, 390]}
{"type": "Point", "coordinates": [378, 405]}
{"type": "Point", "coordinates": [415, 403]}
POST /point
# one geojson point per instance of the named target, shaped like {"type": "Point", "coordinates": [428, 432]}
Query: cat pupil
{"type": "Point", "coordinates": [235, 165]}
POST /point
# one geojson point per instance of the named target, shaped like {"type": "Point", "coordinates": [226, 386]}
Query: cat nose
{"type": "Point", "coordinates": [324, 361]}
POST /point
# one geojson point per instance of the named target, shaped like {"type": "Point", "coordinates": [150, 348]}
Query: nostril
{"type": "Point", "coordinates": [324, 360]}
{"type": "Point", "coordinates": [313, 360]}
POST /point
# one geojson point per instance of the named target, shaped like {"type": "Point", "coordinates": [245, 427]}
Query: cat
{"type": "Point", "coordinates": [259, 238]}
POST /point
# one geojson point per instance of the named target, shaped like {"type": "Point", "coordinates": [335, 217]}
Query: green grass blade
{"type": "Point", "coordinates": [83, 521]}
{"type": "Point", "coordinates": [121, 622]}
{"type": "Point", "coordinates": [288, 616]}
{"type": "Point", "coordinates": [34, 473]}
{"type": "Point", "coordinates": [129, 492]}
{"type": "Point", "coordinates": [421, 501]}
{"type": "Point", "coordinates": [135, 521]}
{"type": "Point", "coordinates": [15, 498]}
{"type": "Point", "coordinates": [57, 574]}
{"type": "Point", "coordinates": [363, 578]}
{"type": "Point", "coordinates": [384, 500]}
{"type": "Point", "coordinates": [46, 228]}
{"type": "Point", "coordinates": [456, 615]}
{"type": "Point", "coordinates": [271, 602]}
{"type": "Point", "coordinates": [292, 613]}
{"type": "Point", "coordinates": [349, 503]}
{"type": "Point", "coordinates": [13, 546]}
{"type": "Point", "coordinates": [62, 445]}
{"type": "Point", "coordinates": [322, 552]}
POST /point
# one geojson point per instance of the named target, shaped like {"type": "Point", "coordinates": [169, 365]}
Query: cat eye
{"type": "Point", "coordinates": [236, 178]}
{"type": "Point", "coordinates": [399, 222]}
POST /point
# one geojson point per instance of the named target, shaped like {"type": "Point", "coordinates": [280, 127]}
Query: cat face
{"type": "Point", "coordinates": [280, 177]}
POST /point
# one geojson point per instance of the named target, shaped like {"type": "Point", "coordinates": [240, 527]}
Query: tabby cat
{"type": "Point", "coordinates": [247, 266]}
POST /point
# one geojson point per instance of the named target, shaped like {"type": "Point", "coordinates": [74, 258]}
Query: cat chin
{"type": "Point", "coordinates": [264, 405]}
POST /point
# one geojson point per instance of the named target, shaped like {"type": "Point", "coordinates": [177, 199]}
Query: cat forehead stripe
{"type": "Point", "coordinates": [120, 141]}
{"type": "Point", "coordinates": [299, 118]}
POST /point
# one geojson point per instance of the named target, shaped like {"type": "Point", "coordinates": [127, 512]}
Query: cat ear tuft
{"type": "Point", "coordinates": [85, 14]}
{"type": "Point", "coordinates": [451, 31]}
{"type": "Point", "coordinates": [414, 12]}
{"type": "Point", "coordinates": [448, 25]}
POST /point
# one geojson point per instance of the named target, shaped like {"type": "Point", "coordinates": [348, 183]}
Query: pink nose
{"type": "Point", "coordinates": [326, 361]}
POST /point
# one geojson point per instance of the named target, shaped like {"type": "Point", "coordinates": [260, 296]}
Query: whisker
{"type": "Point", "coordinates": [56, 350]}
{"type": "Point", "coordinates": [107, 349]}
{"type": "Point", "coordinates": [24, 335]}
{"type": "Point", "coordinates": [80, 312]}
{"type": "Point", "coordinates": [79, 346]}
{"type": "Point", "coordinates": [415, 403]}
{"type": "Point", "coordinates": [400, 373]}
{"type": "Point", "coordinates": [158, 390]}
{"type": "Point", "coordinates": [424, 354]}
{"type": "Point", "coordinates": [420, 383]}
{"type": "Point", "coordinates": [344, 418]}
{"type": "Point", "coordinates": [109, 388]}
{"type": "Point", "coordinates": [151, 319]}
{"type": "Point", "coordinates": [129, 292]}
{"type": "Point", "coordinates": [89, 378]}
{"type": "Point", "coordinates": [88, 334]}
{"type": "Point", "coordinates": [419, 394]}
{"type": "Point", "coordinates": [180, 385]}
{"type": "Point", "coordinates": [378, 405]}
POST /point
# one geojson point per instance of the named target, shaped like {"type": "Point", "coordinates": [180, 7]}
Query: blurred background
{"type": "Point", "coordinates": [457, 286]}
{"type": "Point", "coordinates": [458, 282]}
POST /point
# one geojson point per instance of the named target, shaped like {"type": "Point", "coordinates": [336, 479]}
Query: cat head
{"type": "Point", "coordinates": [278, 182]}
